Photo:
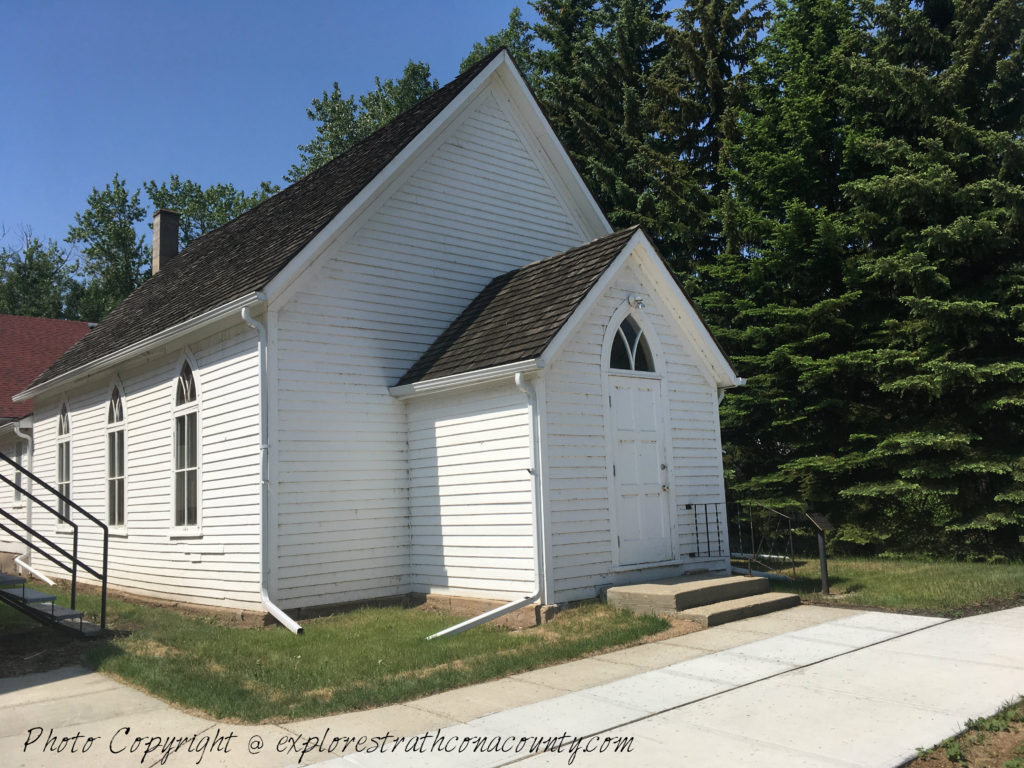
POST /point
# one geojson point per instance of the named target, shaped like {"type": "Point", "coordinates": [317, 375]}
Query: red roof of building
{"type": "Point", "coordinates": [28, 346]}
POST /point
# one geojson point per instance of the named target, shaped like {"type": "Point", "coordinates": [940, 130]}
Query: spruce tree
{"type": "Point", "coordinates": [776, 293]}
{"type": "Point", "coordinates": [597, 81]}
{"type": "Point", "coordinates": [701, 84]}
{"type": "Point", "coordinates": [939, 208]}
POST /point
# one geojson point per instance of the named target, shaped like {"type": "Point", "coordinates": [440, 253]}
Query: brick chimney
{"type": "Point", "coordinates": [165, 237]}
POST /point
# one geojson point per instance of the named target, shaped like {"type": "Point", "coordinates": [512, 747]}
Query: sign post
{"type": "Point", "coordinates": [821, 524]}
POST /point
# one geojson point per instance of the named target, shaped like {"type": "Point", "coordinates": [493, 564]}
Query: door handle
{"type": "Point", "coordinates": [664, 487]}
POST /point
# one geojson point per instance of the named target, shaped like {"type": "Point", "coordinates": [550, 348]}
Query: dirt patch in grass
{"type": "Point", "coordinates": [40, 649]}
{"type": "Point", "coordinates": [995, 742]}
{"type": "Point", "coordinates": [997, 750]}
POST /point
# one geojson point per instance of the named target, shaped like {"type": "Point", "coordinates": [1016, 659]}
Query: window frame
{"type": "Point", "coordinates": [181, 414]}
{"type": "Point", "coordinates": [19, 458]}
{"type": "Point", "coordinates": [640, 342]}
{"type": "Point", "coordinates": [114, 428]}
{"type": "Point", "coordinates": [63, 461]}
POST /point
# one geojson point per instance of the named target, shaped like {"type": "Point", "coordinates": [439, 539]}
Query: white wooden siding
{"type": "Point", "coordinates": [219, 567]}
{"type": "Point", "coordinates": [576, 477]}
{"type": "Point", "coordinates": [471, 493]}
{"type": "Point", "coordinates": [8, 447]}
{"type": "Point", "coordinates": [478, 204]}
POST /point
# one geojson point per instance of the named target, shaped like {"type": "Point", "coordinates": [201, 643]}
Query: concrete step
{"type": "Point", "coordinates": [740, 608]}
{"type": "Point", "coordinates": [669, 596]}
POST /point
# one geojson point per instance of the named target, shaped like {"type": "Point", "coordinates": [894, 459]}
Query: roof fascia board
{"type": "Point", "coordinates": [725, 377]}
{"type": "Point", "coordinates": [554, 151]}
{"type": "Point", "coordinates": [592, 297]}
{"type": "Point", "coordinates": [145, 345]}
{"type": "Point", "coordinates": [370, 192]}
{"type": "Point", "coordinates": [686, 315]}
{"type": "Point", "coordinates": [459, 380]}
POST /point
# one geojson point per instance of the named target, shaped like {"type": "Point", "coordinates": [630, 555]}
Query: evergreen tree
{"type": "Point", "coordinates": [700, 85]}
{"type": "Point", "coordinates": [342, 122]}
{"type": "Point", "coordinates": [517, 38]}
{"type": "Point", "coordinates": [597, 83]}
{"type": "Point", "coordinates": [939, 207]}
{"type": "Point", "coordinates": [777, 294]}
{"type": "Point", "coordinates": [871, 284]}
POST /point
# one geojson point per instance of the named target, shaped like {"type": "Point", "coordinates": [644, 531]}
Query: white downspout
{"type": "Point", "coordinates": [287, 621]}
{"type": "Point", "coordinates": [27, 554]}
{"type": "Point", "coordinates": [538, 525]}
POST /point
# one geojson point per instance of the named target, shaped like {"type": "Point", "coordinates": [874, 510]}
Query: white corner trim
{"type": "Point", "coordinates": [467, 379]}
{"type": "Point", "coordinates": [150, 342]}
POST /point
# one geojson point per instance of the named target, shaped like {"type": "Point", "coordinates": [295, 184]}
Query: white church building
{"type": "Point", "coordinates": [429, 367]}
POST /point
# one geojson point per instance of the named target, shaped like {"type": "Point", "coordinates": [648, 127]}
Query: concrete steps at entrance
{"type": "Point", "coordinates": [707, 600]}
{"type": "Point", "coordinates": [741, 608]}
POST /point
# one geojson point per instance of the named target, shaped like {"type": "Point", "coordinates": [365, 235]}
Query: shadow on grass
{"type": "Point", "coordinates": [807, 585]}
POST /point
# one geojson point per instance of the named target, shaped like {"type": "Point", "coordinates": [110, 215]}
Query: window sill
{"type": "Point", "coordinates": [118, 531]}
{"type": "Point", "coordinates": [186, 533]}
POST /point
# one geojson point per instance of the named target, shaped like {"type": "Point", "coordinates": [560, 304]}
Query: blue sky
{"type": "Point", "coordinates": [214, 91]}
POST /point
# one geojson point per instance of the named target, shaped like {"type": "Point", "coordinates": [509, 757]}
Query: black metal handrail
{"type": "Point", "coordinates": [73, 556]}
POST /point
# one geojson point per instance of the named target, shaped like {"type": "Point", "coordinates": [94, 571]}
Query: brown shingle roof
{"type": "Point", "coordinates": [519, 313]}
{"type": "Point", "coordinates": [245, 254]}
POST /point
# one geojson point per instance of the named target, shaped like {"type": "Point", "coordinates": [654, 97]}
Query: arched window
{"type": "Point", "coordinates": [186, 450]}
{"type": "Point", "coordinates": [630, 351]}
{"type": "Point", "coordinates": [115, 459]}
{"type": "Point", "coordinates": [64, 462]}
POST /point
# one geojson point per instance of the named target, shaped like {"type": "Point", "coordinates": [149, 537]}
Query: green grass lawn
{"type": "Point", "coordinates": [937, 588]}
{"type": "Point", "coordinates": [364, 658]}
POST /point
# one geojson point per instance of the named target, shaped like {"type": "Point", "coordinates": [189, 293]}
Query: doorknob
{"type": "Point", "coordinates": [664, 487]}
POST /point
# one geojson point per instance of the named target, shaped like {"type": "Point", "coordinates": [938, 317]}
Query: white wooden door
{"type": "Point", "coordinates": [640, 498]}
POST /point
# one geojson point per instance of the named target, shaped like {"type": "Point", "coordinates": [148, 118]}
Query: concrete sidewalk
{"type": "Point", "coordinates": [807, 686]}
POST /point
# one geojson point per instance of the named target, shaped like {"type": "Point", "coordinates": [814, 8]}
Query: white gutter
{"type": "Point", "coordinates": [468, 379]}
{"type": "Point", "coordinates": [723, 390]}
{"type": "Point", "coordinates": [145, 345]}
{"type": "Point", "coordinates": [27, 554]}
{"type": "Point", "coordinates": [286, 620]}
{"type": "Point", "coordinates": [538, 525]}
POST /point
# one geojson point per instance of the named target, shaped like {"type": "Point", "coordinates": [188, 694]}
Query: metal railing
{"type": "Point", "coordinates": [709, 529]}
{"type": "Point", "coordinates": [761, 536]}
{"type": "Point", "coordinates": [73, 561]}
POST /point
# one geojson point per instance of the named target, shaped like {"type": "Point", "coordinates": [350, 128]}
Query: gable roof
{"type": "Point", "coordinates": [241, 257]}
{"type": "Point", "coordinates": [28, 346]}
{"type": "Point", "coordinates": [516, 316]}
